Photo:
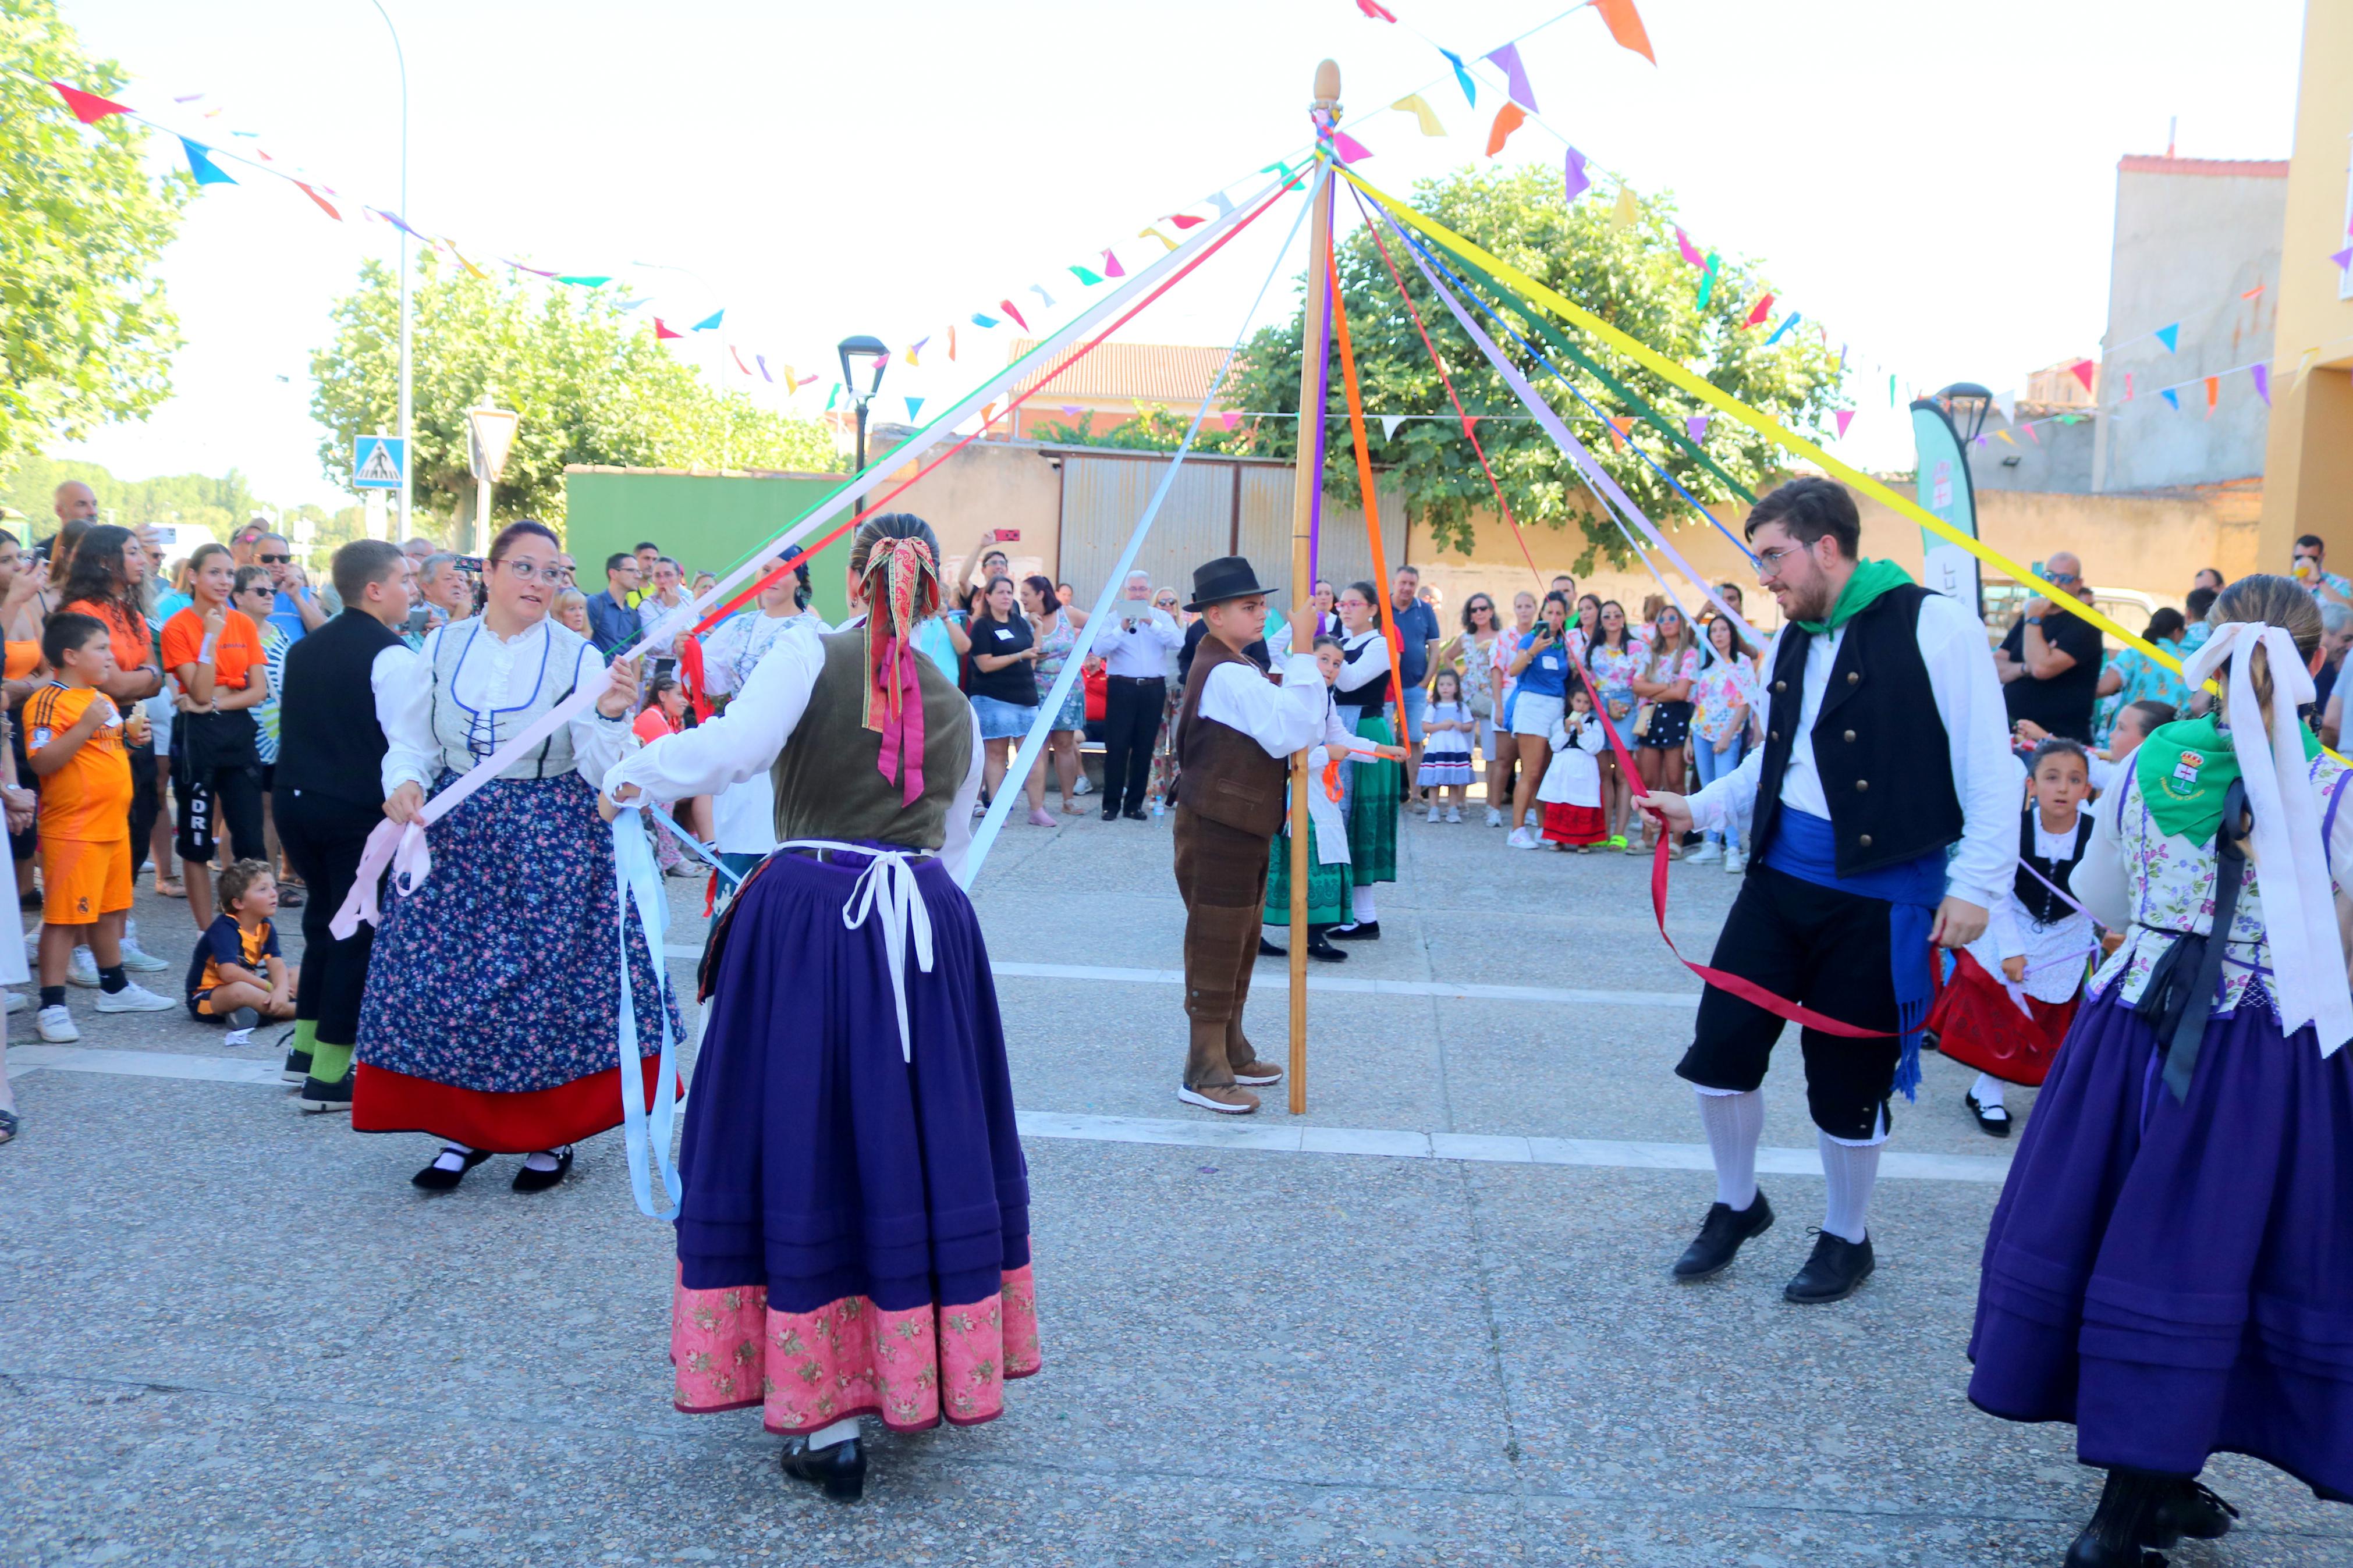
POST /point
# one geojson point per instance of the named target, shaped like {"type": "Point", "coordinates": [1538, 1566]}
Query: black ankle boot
{"type": "Point", "coordinates": [840, 1470]}
{"type": "Point", "coordinates": [2127, 1511]}
{"type": "Point", "coordinates": [2187, 1508]}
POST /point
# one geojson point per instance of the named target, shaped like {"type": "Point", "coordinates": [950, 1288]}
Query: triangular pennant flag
{"type": "Point", "coordinates": [324, 205]}
{"type": "Point", "coordinates": [1087, 276]}
{"type": "Point", "coordinates": [1112, 269]}
{"type": "Point", "coordinates": [208, 172]}
{"type": "Point", "coordinates": [2031, 434]}
{"type": "Point", "coordinates": [661, 330]}
{"type": "Point", "coordinates": [1758, 312]}
{"type": "Point", "coordinates": [2343, 260]}
{"type": "Point", "coordinates": [1690, 252]}
{"type": "Point", "coordinates": [1040, 290]}
{"type": "Point", "coordinates": [914, 409]}
{"type": "Point", "coordinates": [393, 219]}
{"type": "Point", "coordinates": [1695, 426]}
{"type": "Point", "coordinates": [1186, 220]}
{"type": "Point", "coordinates": [507, 260]}
{"type": "Point", "coordinates": [2169, 336]}
{"type": "Point", "coordinates": [832, 395]}
{"type": "Point", "coordinates": [1707, 281]}
{"type": "Point", "coordinates": [1622, 216]}
{"type": "Point", "coordinates": [762, 361]}
{"type": "Point", "coordinates": [951, 341]}
{"type": "Point", "coordinates": [739, 360]}
{"type": "Point", "coordinates": [1792, 320]}
{"type": "Point", "coordinates": [1350, 150]}
{"type": "Point", "coordinates": [708, 324]}
{"type": "Point", "coordinates": [2083, 369]}
{"type": "Point", "coordinates": [2007, 403]}
{"type": "Point", "coordinates": [1470, 87]}
{"type": "Point", "coordinates": [1006, 306]}
{"type": "Point", "coordinates": [1468, 421]}
{"type": "Point", "coordinates": [471, 270]}
{"type": "Point", "coordinates": [987, 415]}
{"type": "Point", "coordinates": [1515, 75]}
{"type": "Point", "coordinates": [1229, 420]}
{"type": "Point", "coordinates": [591, 283]}
{"type": "Point", "coordinates": [2251, 293]}
{"type": "Point", "coordinates": [1151, 232]}
{"type": "Point", "coordinates": [87, 106]}
{"type": "Point", "coordinates": [1376, 10]}
{"type": "Point", "coordinates": [915, 350]}
{"type": "Point", "coordinates": [809, 380]}
{"type": "Point", "coordinates": [2262, 373]}
{"type": "Point", "coordinates": [1413, 104]}
{"type": "Point", "coordinates": [2005, 436]}
{"type": "Point", "coordinates": [2128, 390]}
{"type": "Point", "coordinates": [2171, 400]}
{"type": "Point", "coordinates": [1575, 182]}
{"type": "Point", "coordinates": [1508, 118]}
{"type": "Point", "coordinates": [1620, 430]}
{"type": "Point", "coordinates": [1072, 409]}
{"type": "Point", "coordinates": [981, 321]}
{"type": "Point", "coordinates": [2214, 393]}
{"type": "Point", "coordinates": [1845, 417]}
{"type": "Point", "coordinates": [1891, 389]}
{"type": "Point", "coordinates": [1223, 203]}
{"type": "Point", "coordinates": [1390, 423]}
{"type": "Point", "coordinates": [1626, 25]}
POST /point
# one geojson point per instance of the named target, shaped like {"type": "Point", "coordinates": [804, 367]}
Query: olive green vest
{"type": "Point", "coordinates": [827, 783]}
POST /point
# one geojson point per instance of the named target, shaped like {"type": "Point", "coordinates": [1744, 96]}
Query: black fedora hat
{"type": "Point", "coordinates": [1226, 577]}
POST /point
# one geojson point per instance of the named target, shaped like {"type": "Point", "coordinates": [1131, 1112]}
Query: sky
{"type": "Point", "coordinates": [1935, 185]}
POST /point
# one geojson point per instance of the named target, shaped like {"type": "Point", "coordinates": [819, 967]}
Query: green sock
{"type": "Point", "coordinates": [330, 1063]}
{"type": "Point", "coordinates": [306, 1035]}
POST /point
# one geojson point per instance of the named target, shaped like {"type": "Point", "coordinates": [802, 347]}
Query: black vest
{"type": "Point", "coordinates": [329, 742]}
{"type": "Point", "coordinates": [2042, 906]}
{"type": "Point", "coordinates": [1880, 746]}
{"type": "Point", "coordinates": [1374, 693]}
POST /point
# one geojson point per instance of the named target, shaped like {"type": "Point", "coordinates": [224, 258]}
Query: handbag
{"type": "Point", "coordinates": [1643, 718]}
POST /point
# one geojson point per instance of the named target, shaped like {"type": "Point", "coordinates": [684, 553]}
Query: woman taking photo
{"type": "Point", "coordinates": [1613, 660]}
{"type": "Point", "coordinates": [1004, 689]}
{"type": "Point", "coordinates": [1539, 672]}
{"type": "Point", "coordinates": [1499, 785]}
{"type": "Point", "coordinates": [214, 650]}
{"type": "Point", "coordinates": [1472, 653]}
{"type": "Point", "coordinates": [1663, 682]}
{"type": "Point", "coordinates": [492, 1013]}
{"type": "Point", "coordinates": [1372, 788]}
{"type": "Point", "coordinates": [1051, 623]}
{"type": "Point", "coordinates": [1724, 699]}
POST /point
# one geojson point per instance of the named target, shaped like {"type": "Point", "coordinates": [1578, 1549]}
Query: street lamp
{"type": "Point", "coordinates": [490, 436]}
{"type": "Point", "coordinates": [407, 447]}
{"type": "Point", "coordinates": [856, 353]}
{"type": "Point", "coordinates": [1966, 402]}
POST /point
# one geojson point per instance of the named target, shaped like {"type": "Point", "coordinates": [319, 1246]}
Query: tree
{"type": "Point", "coordinates": [1633, 279]}
{"type": "Point", "coordinates": [590, 382]}
{"type": "Point", "coordinates": [215, 505]}
{"type": "Point", "coordinates": [86, 337]}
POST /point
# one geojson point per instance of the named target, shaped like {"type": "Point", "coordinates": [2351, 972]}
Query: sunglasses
{"type": "Point", "coordinates": [273, 560]}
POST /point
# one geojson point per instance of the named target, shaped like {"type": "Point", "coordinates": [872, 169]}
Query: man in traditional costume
{"type": "Point", "coordinates": [1235, 734]}
{"type": "Point", "coordinates": [1885, 746]}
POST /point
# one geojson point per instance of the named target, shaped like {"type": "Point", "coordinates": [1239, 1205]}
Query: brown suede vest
{"type": "Point", "coordinates": [827, 781]}
{"type": "Point", "coordinates": [1221, 773]}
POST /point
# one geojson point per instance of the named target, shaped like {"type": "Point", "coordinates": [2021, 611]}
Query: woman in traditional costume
{"type": "Point", "coordinates": [1372, 789]}
{"type": "Point", "coordinates": [854, 1236]}
{"type": "Point", "coordinates": [2171, 1268]}
{"type": "Point", "coordinates": [492, 1012]}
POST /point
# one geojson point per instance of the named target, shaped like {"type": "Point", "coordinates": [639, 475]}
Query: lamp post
{"type": "Point", "coordinates": [856, 353]}
{"type": "Point", "coordinates": [407, 447]}
{"type": "Point", "coordinates": [490, 436]}
{"type": "Point", "coordinates": [1965, 400]}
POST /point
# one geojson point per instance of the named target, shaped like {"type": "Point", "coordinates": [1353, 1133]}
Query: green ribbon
{"type": "Point", "coordinates": [2185, 769]}
{"type": "Point", "coordinates": [1871, 579]}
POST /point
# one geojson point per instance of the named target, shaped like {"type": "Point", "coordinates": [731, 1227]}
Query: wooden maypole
{"type": "Point", "coordinates": [1308, 485]}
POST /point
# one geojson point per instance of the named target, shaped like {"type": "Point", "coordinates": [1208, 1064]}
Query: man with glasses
{"type": "Point", "coordinates": [2327, 586]}
{"type": "Point", "coordinates": [1884, 749]}
{"type": "Point", "coordinates": [2050, 662]}
{"type": "Point", "coordinates": [612, 613]}
{"type": "Point", "coordinates": [296, 611]}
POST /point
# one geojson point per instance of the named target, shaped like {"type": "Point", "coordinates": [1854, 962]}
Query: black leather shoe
{"type": "Point", "coordinates": [840, 1470]}
{"type": "Point", "coordinates": [1368, 931]}
{"type": "Point", "coordinates": [527, 1180]}
{"type": "Point", "coordinates": [2186, 1508]}
{"type": "Point", "coordinates": [1268, 950]}
{"type": "Point", "coordinates": [1994, 1121]}
{"type": "Point", "coordinates": [1135, 814]}
{"type": "Point", "coordinates": [1835, 1271]}
{"type": "Point", "coordinates": [2127, 1513]}
{"type": "Point", "coordinates": [1318, 947]}
{"type": "Point", "coordinates": [1720, 1237]}
{"type": "Point", "coordinates": [1110, 813]}
{"type": "Point", "coordinates": [434, 1179]}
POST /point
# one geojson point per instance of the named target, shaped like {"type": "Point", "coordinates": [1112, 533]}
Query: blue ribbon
{"type": "Point", "coordinates": [646, 1137]}
{"type": "Point", "coordinates": [690, 842]}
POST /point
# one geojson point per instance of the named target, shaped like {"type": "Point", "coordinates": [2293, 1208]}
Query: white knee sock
{"type": "Point", "coordinates": [1988, 1089]}
{"type": "Point", "coordinates": [1852, 1169]}
{"type": "Point", "coordinates": [842, 1431]}
{"type": "Point", "coordinates": [1735, 1122]}
{"type": "Point", "coordinates": [1360, 904]}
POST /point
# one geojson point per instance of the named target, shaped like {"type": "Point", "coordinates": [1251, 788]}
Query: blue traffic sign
{"type": "Point", "coordinates": [377, 462]}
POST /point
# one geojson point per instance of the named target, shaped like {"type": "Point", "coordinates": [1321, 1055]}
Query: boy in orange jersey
{"type": "Point", "coordinates": [76, 739]}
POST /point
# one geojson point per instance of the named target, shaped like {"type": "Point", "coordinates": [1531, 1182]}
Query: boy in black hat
{"type": "Point", "coordinates": [1235, 733]}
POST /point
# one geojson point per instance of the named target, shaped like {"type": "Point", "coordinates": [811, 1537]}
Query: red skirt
{"type": "Point", "coordinates": [1976, 1025]}
{"type": "Point", "coordinates": [1574, 823]}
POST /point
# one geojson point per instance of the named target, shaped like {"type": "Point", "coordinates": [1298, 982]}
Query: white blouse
{"type": "Point", "coordinates": [499, 675]}
{"type": "Point", "coordinates": [746, 738]}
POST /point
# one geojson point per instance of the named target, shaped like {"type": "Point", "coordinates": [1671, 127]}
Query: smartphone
{"type": "Point", "coordinates": [1135, 610]}
{"type": "Point", "coordinates": [1008, 536]}
{"type": "Point", "coordinates": [471, 563]}
{"type": "Point", "coordinates": [417, 617]}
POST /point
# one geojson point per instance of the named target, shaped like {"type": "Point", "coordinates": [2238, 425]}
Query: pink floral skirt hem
{"type": "Point", "coordinates": [807, 1370]}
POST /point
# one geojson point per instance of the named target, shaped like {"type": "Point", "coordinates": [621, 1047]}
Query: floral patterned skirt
{"type": "Point", "coordinates": [854, 1237]}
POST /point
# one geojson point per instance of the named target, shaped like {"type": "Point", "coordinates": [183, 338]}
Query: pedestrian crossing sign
{"type": "Point", "coordinates": [377, 462]}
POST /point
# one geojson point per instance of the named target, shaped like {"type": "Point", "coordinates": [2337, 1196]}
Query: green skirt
{"type": "Point", "coordinates": [1373, 807]}
{"type": "Point", "coordinates": [1328, 886]}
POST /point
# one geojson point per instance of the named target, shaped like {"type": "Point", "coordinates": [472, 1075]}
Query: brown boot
{"type": "Point", "coordinates": [1232, 1100]}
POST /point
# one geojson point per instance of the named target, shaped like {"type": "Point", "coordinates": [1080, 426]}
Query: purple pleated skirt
{"type": "Point", "coordinates": [2176, 1279]}
{"type": "Point", "coordinates": [854, 1236]}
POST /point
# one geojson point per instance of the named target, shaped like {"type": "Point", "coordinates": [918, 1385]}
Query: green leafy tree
{"type": "Point", "coordinates": [85, 335]}
{"type": "Point", "coordinates": [1150, 428]}
{"type": "Point", "coordinates": [1634, 279]}
{"type": "Point", "coordinates": [215, 505]}
{"type": "Point", "coordinates": [590, 382]}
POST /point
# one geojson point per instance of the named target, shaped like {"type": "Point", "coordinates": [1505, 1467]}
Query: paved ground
{"type": "Point", "coordinates": [232, 1333]}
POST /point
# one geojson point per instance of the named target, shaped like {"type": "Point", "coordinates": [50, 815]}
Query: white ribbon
{"type": "Point", "coordinates": [2308, 975]}
{"type": "Point", "coordinates": [645, 1138]}
{"type": "Point", "coordinates": [887, 886]}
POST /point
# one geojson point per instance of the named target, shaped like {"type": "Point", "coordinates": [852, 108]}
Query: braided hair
{"type": "Point", "coordinates": [896, 560]}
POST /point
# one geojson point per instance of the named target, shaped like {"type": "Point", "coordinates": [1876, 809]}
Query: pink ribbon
{"type": "Point", "coordinates": [902, 732]}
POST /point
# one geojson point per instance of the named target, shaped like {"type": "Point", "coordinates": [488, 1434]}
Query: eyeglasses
{"type": "Point", "coordinates": [1768, 561]}
{"type": "Point", "coordinates": [524, 571]}
{"type": "Point", "coordinates": [273, 560]}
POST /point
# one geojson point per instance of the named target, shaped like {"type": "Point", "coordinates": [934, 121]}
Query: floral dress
{"type": "Point", "coordinates": [1719, 694]}
{"type": "Point", "coordinates": [1054, 646]}
{"type": "Point", "coordinates": [1613, 672]}
{"type": "Point", "coordinates": [2146, 680]}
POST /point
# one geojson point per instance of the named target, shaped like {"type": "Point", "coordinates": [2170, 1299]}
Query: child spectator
{"type": "Point", "coordinates": [1571, 790]}
{"type": "Point", "coordinates": [214, 650]}
{"type": "Point", "coordinates": [1447, 729]}
{"type": "Point", "coordinates": [74, 737]}
{"type": "Point", "coordinates": [237, 974]}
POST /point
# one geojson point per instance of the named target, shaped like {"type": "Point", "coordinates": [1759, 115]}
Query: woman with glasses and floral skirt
{"type": "Point", "coordinates": [492, 1018]}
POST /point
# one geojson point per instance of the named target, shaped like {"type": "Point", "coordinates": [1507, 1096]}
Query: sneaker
{"type": "Point", "coordinates": [133, 999]}
{"type": "Point", "coordinates": [1736, 862]}
{"type": "Point", "coordinates": [1453, 813]}
{"type": "Point", "coordinates": [56, 1026]}
{"type": "Point", "coordinates": [1522, 838]}
{"type": "Point", "coordinates": [18, 1002]}
{"type": "Point", "coordinates": [1495, 817]}
{"type": "Point", "coordinates": [317, 1097]}
{"type": "Point", "coordinates": [81, 969]}
{"type": "Point", "coordinates": [137, 957]}
{"type": "Point", "coordinates": [1084, 786]}
{"type": "Point", "coordinates": [1706, 854]}
{"type": "Point", "coordinates": [1430, 814]}
{"type": "Point", "coordinates": [297, 1067]}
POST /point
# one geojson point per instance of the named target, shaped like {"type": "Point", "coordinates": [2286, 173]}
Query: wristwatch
{"type": "Point", "coordinates": [2034, 620]}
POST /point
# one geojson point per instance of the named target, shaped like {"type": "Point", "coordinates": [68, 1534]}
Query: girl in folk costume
{"type": "Point", "coordinates": [1571, 791]}
{"type": "Point", "coordinates": [1330, 870]}
{"type": "Point", "coordinates": [854, 1236]}
{"type": "Point", "coordinates": [1372, 791]}
{"type": "Point", "coordinates": [521, 912]}
{"type": "Point", "coordinates": [1446, 755]}
{"type": "Point", "coordinates": [2170, 1266]}
{"type": "Point", "coordinates": [2013, 991]}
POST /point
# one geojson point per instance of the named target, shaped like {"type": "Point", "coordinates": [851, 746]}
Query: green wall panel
{"type": "Point", "coordinates": [707, 522]}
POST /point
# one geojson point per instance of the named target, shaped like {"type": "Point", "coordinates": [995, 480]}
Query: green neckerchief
{"type": "Point", "coordinates": [1871, 579]}
{"type": "Point", "coordinates": [2185, 768]}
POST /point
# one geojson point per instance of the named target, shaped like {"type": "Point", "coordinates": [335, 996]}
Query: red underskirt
{"type": "Point", "coordinates": [388, 1102]}
{"type": "Point", "coordinates": [1976, 1025]}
